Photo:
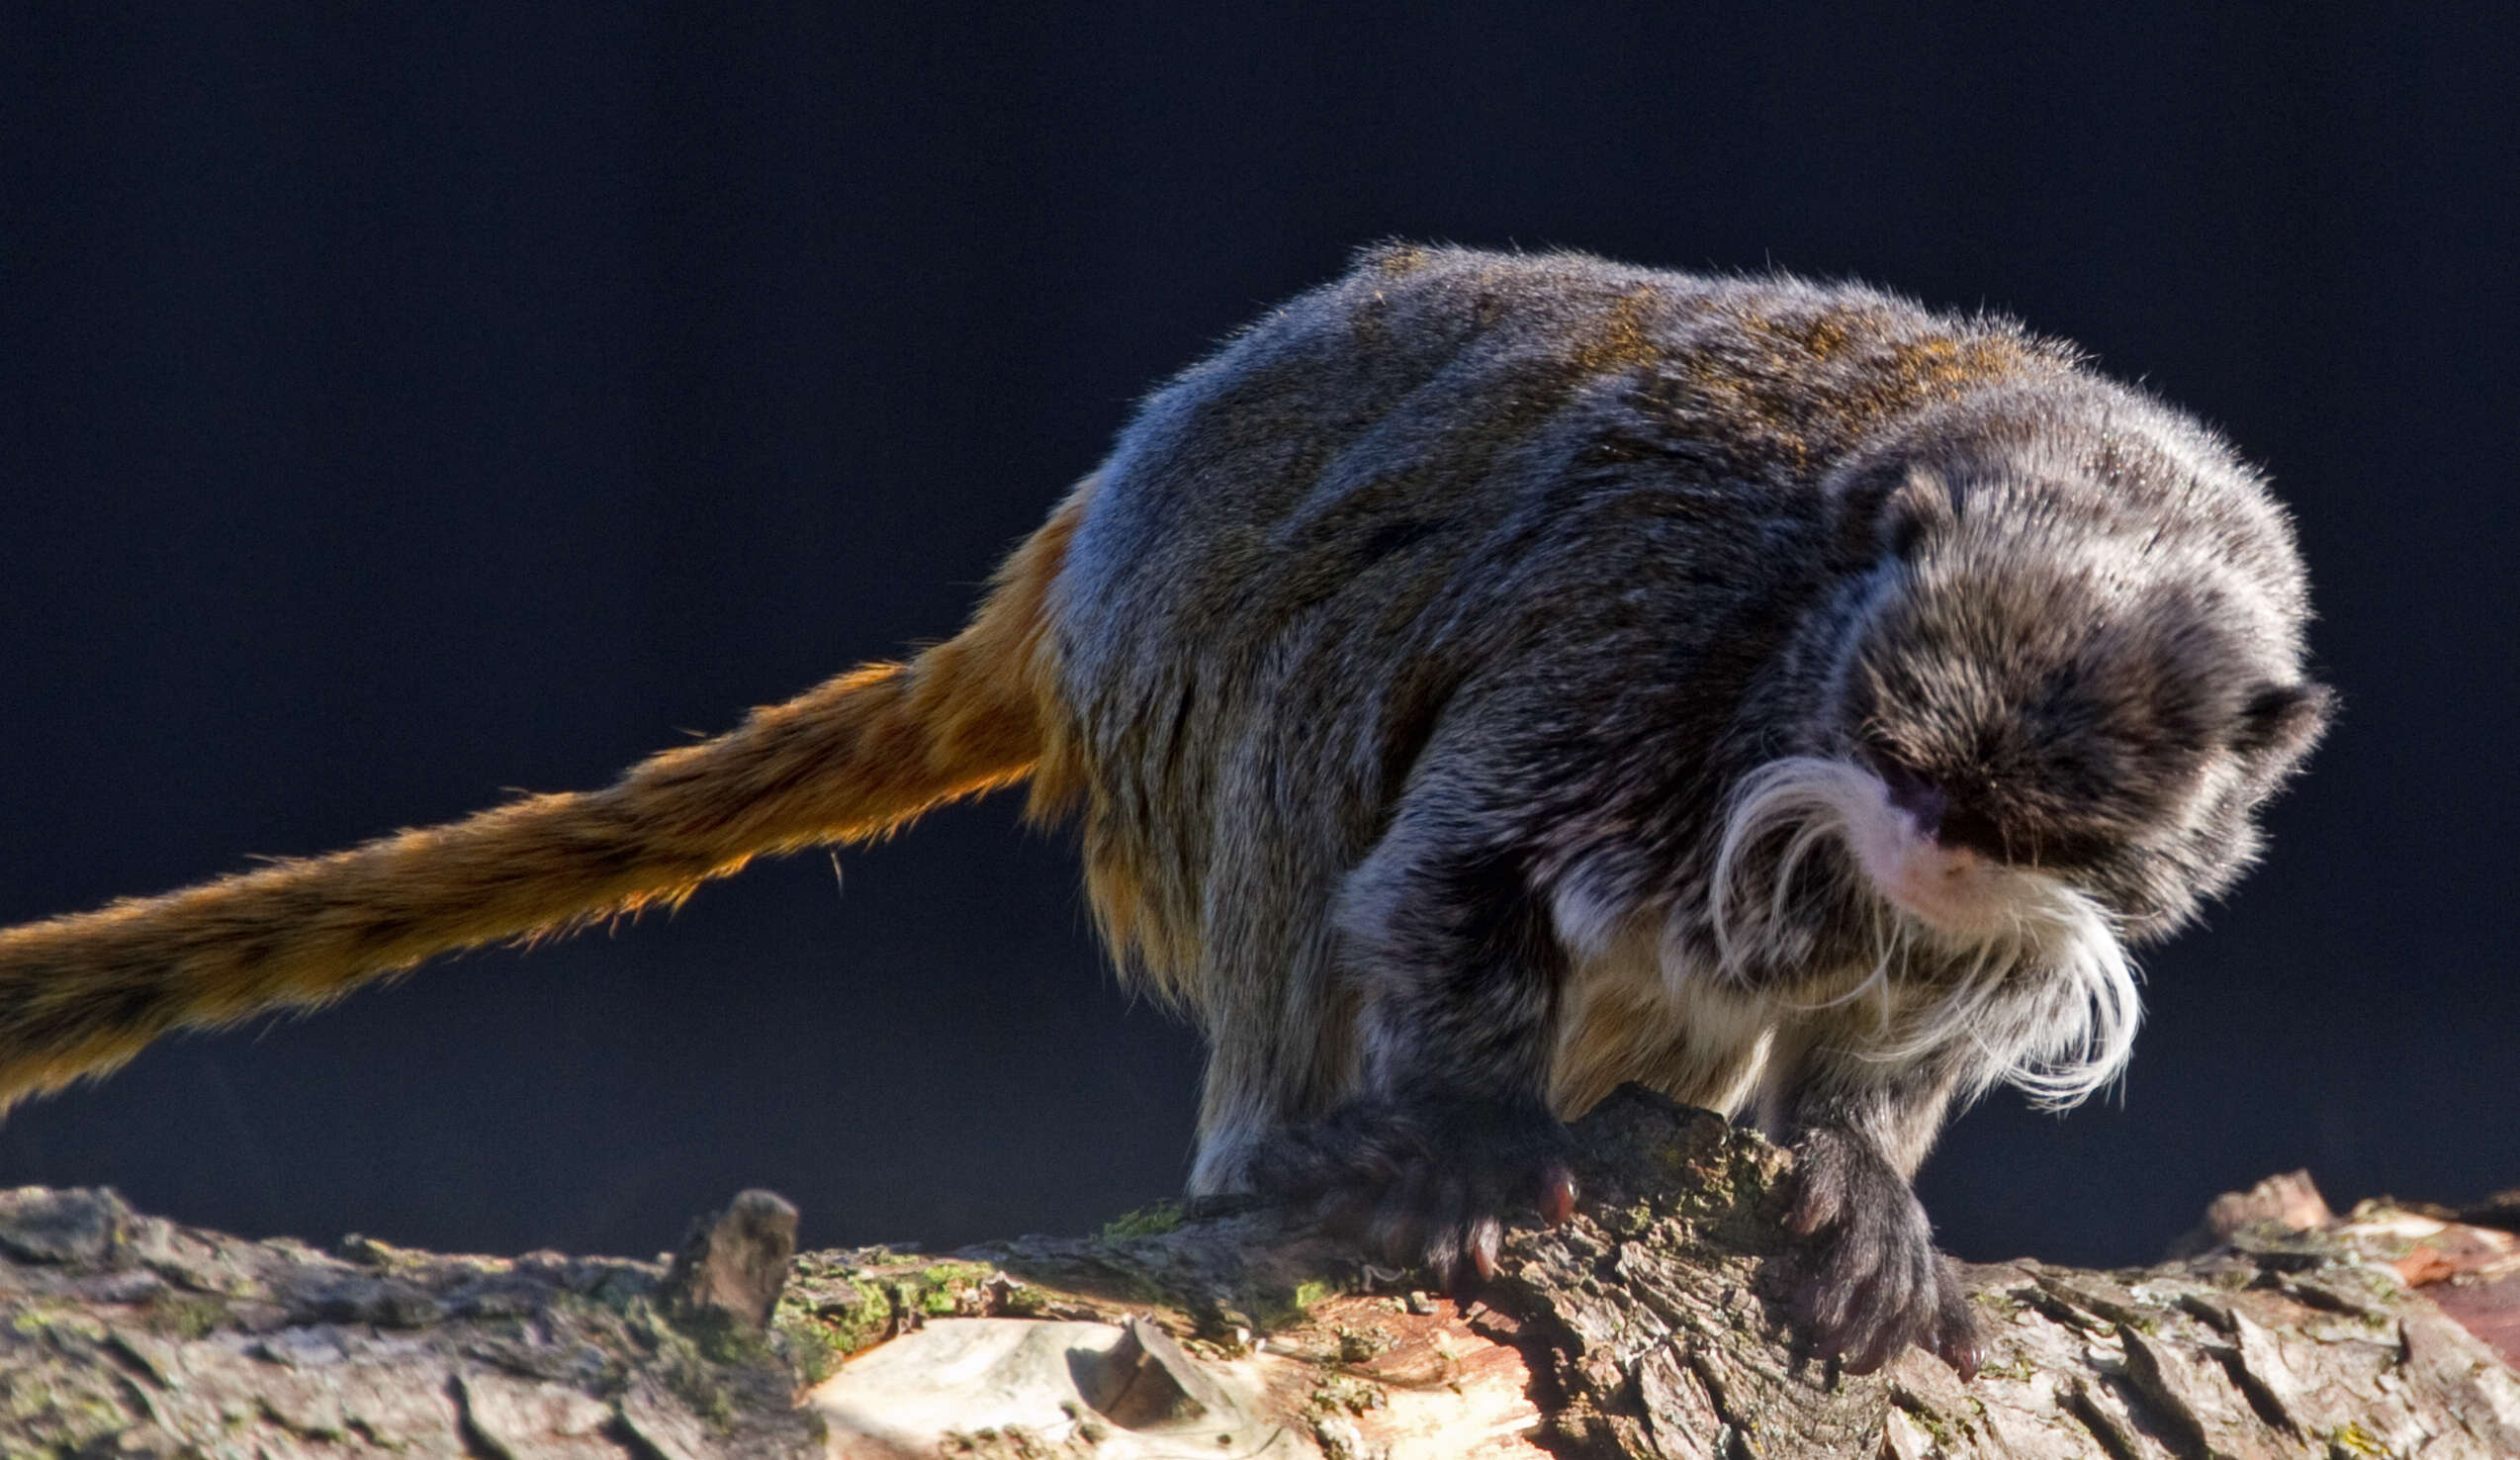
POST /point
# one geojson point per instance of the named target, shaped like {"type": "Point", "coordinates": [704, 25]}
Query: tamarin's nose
{"type": "Point", "coordinates": [1963, 829]}
{"type": "Point", "coordinates": [1937, 818]}
{"type": "Point", "coordinates": [1922, 799]}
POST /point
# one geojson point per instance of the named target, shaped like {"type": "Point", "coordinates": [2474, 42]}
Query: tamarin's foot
{"type": "Point", "coordinates": [1426, 1181]}
{"type": "Point", "coordinates": [1877, 1284]}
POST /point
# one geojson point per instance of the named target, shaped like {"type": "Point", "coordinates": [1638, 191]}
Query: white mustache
{"type": "Point", "coordinates": [2036, 978]}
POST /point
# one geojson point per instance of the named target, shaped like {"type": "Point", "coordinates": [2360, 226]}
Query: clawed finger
{"type": "Point", "coordinates": [1878, 1285]}
{"type": "Point", "coordinates": [1425, 1183]}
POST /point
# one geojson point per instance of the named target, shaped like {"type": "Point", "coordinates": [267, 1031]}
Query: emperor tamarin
{"type": "Point", "coordinates": [1486, 680]}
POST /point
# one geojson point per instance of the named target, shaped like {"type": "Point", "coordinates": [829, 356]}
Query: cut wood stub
{"type": "Point", "coordinates": [734, 1263]}
{"type": "Point", "coordinates": [1146, 1380]}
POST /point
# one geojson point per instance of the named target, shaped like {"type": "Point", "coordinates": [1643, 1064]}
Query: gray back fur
{"type": "Point", "coordinates": [1540, 559]}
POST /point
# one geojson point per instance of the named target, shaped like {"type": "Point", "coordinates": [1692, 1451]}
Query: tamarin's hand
{"type": "Point", "coordinates": [1877, 1283]}
{"type": "Point", "coordinates": [1428, 1181]}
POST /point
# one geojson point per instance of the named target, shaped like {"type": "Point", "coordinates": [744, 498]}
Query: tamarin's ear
{"type": "Point", "coordinates": [2281, 722]}
{"type": "Point", "coordinates": [1889, 510]}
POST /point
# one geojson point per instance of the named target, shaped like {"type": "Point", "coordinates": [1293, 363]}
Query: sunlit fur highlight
{"type": "Point", "coordinates": [2049, 1002]}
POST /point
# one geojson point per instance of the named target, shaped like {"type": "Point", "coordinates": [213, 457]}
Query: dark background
{"type": "Point", "coordinates": [399, 408]}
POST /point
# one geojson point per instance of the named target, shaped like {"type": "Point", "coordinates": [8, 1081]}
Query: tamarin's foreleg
{"type": "Point", "coordinates": [1877, 1284]}
{"type": "Point", "coordinates": [1451, 1129]}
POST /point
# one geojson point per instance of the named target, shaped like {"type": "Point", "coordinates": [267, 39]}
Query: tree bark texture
{"type": "Point", "coordinates": [1655, 1323]}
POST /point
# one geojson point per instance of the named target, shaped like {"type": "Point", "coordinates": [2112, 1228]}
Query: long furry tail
{"type": "Point", "coordinates": [848, 759]}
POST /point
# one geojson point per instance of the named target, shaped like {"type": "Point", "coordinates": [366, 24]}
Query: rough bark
{"type": "Point", "coordinates": [1653, 1325]}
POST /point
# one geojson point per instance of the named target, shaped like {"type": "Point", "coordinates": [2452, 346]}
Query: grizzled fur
{"type": "Point", "coordinates": [1486, 680]}
{"type": "Point", "coordinates": [1425, 642]}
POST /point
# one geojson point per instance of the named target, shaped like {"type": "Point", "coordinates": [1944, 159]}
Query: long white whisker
{"type": "Point", "coordinates": [2049, 998]}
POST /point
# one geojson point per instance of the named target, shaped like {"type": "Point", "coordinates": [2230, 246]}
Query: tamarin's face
{"type": "Point", "coordinates": [2079, 712]}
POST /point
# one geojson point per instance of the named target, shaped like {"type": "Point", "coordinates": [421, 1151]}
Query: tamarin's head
{"type": "Point", "coordinates": [2040, 684]}
{"type": "Point", "coordinates": [2062, 674]}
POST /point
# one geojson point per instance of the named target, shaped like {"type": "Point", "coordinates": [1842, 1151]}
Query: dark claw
{"type": "Point", "coordinates": [1426, 1183]}
{"type": "Point", "coordinates": [1877, 1284]}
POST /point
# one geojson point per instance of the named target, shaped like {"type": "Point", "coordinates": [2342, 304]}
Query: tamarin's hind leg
{"type": "Point", "coordinates": [1451, 1132]}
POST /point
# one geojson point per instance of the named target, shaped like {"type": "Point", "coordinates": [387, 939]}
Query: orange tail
{"type": "Point", "coordinates": [845, 761]}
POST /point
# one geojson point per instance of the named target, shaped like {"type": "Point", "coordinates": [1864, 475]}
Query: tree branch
{"type": "Point", "coordinates": [1653, 1325]}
